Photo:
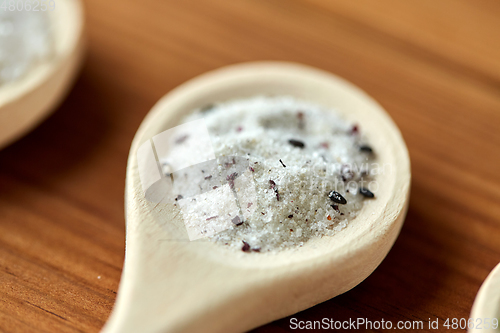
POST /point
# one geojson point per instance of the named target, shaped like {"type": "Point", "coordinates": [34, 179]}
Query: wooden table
{"type": "Point", "coordinates": [434, 65]}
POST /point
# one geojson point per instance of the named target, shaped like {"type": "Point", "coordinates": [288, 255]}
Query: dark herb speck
{"type": "Point", "coordinates": [232, 176]}
{"type": "Point", "coordinates": [230, 179]}
{"type": "Point", "coordinates": [283, 164]}
{"type": "Point", "coordinates": [336, 208]}
{"type": "Point", "coordinates": [246, 247]}
{"type": "Point", "coordinates": [237, 220]}
{"type": "Point", "coordinates": [207, 108]}
{"type": "Point", "coordinates": [272, 185]}
{"type": "Point", "coordinates": [346, 173]}
{"type": "Point", "coordinates": [181, 139]}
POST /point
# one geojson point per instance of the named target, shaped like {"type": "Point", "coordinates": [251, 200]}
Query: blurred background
{"type": "Point", "coordinates": [433, 65]}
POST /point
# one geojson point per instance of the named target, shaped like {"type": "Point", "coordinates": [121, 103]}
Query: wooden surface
{"type": "Point", "coordinates": [434, 65]}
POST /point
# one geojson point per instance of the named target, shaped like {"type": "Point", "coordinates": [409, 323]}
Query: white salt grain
{"type": "Point", "coordinates": [25, 41]}
{"type": "Point", "coordinates": [264, 130]}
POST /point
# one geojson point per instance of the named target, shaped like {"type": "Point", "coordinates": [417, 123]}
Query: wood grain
{"type": "Point", "coordinates": [432, 65]}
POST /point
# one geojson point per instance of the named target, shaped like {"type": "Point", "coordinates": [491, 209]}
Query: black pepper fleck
{"type": "Point", "coordinates": [296, 143]}
{"type": "Point", "coordinates": [366, 149]}
{"type": "Point", "coordinates": [366, 192]}
{"type": "Point", "coordinates": [283, 164]}
{"type": "Point", "coordinates": [337, 197]}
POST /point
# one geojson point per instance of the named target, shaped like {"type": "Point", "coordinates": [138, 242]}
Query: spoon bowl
{"type": "Point", "coordinates": [170, 284]}
{"type": "Point", "coordinates": [25, 102]}
{"type": "Point", "coordinates": [486, 308]}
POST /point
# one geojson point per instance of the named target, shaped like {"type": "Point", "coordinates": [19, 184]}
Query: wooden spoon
{"type": "Point", "coordinates": [485, 312]}
{"type": "Point", "coordinates": [27, 101]}
{"type": "Point", "coordinates": [170, 284]}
